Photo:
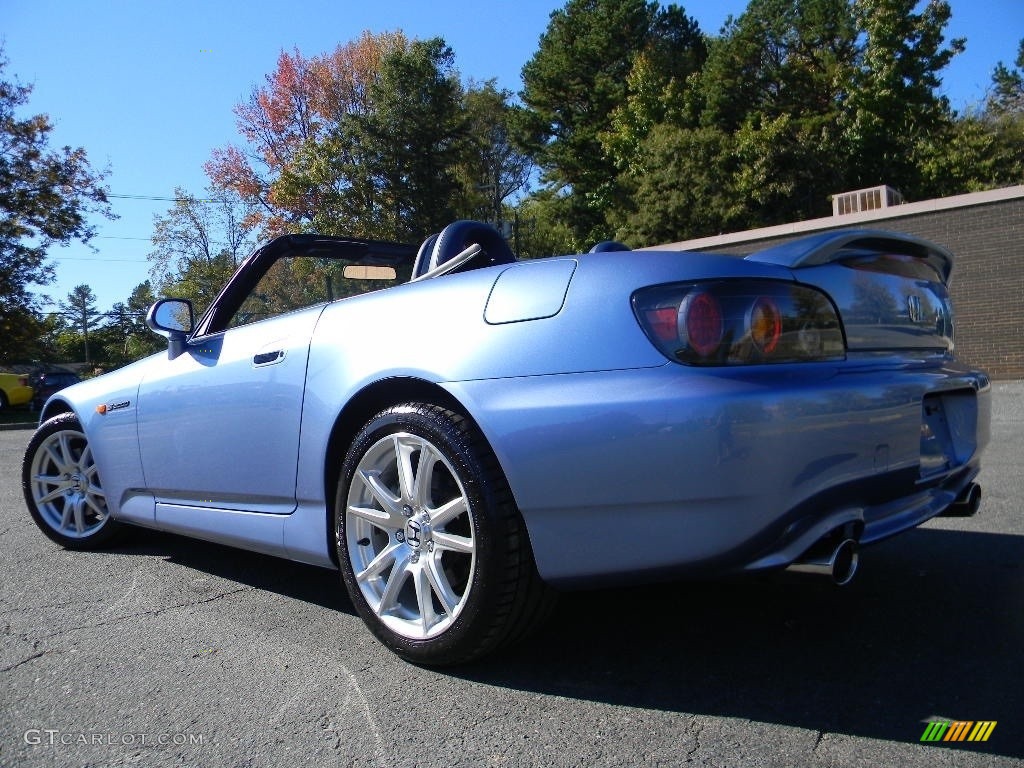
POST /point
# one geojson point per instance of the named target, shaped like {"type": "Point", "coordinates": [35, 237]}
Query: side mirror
{"type": "Point", "coordinates": [173, 319]}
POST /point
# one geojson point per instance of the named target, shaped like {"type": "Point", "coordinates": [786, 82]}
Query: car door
{"type": "Point", "coordinates": [218, 425]}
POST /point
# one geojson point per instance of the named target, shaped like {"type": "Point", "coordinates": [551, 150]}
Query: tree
{"type": "Point", "coordinates": [983, 148]}
{"type": "Point", "coordinates": [1007, 94]}
{"type": "Point", "coordinates": [286, 121]}
{"type": "Point", "coordinates": [125, 337]}
{"type": "Point", "coordinates": [1004, 118]}
{"type": "Point", "coordinates": [777, 81]}
{"type": "Point", "coordinates": [780, 57]}
{"type": "Point", "coordinates": [387, 169]}
{"type": "Point", "coordinates": [652, 98]}
{"type": "Point", "coordinates": [798, 99]}
{"type": "Point", "coordinates": [492, 169]}
{"type": "Point", "coordinates": [894, 106]}
{"type": "Point", "coordinates": [689, 189]}
{"type": "Point", "coordinates": [574, 83]}
{"type": "Point", "coordinates": [542, 221]}
{"type": "Point", "coordinates": [46, 196]}
{"type": "Point", "coordinates": [199, 243]}
{"type": "Point", "coordinates": [80, 312]}
{"type": "Point", "coordinates": [410, 140]}
{"type": "Point", "coordinates": [378, 139]}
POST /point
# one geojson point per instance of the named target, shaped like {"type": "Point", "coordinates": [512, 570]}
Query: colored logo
{"type": "Point", "coordinates": [959, 730]}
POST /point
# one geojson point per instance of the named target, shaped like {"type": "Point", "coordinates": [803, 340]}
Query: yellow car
{"type": "Point", "coordinates": [14, 389]}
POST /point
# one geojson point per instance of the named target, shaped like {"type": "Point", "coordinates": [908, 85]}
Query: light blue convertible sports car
{"type": "Point", "coordinates": [463, 443]}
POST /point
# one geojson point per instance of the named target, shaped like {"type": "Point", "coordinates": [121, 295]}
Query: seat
{"type": "Point", "coordinates": [453, 247]}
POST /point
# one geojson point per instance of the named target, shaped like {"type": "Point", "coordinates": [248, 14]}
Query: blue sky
{"type": "Point", "coordinates": [147, 88]}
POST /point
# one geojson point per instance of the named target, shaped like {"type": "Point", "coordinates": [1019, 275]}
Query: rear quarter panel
{"type": "Point", "coordinates": [436, 330]}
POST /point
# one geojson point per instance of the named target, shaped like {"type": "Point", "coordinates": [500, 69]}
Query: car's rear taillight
{"type": "Point", "coordinates": [700, 322]}
{"type": "Point", "coordinates": [740, 322]}
{"type": "Point", "coordinates": [23, 381]}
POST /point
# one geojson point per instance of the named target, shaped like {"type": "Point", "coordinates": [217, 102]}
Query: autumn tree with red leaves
{"type": "Point", "coordinates": [301, 103]}
{"type": "Point", "coordinates": [373, 139]}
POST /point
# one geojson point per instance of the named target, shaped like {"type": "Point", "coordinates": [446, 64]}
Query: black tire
{"type": "Point", "coordinates": [62, 486]}
{"type": "Point", "coordinates": [3, 400]}
{"type": "Point", "coordinates": [457, 578]}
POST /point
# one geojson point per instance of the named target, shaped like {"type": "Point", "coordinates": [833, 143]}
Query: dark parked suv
{"type": "Point", "coordinates": [45, 383]}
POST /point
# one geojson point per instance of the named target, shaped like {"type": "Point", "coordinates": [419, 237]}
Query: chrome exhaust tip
{"type": "Point", "coordinates": [966, 504]}
{"type": "Point", "coordinates": [839, 563]}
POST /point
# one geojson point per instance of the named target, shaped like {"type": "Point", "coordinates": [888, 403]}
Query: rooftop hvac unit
{"type": "Point", "coordinates": [861, 200]}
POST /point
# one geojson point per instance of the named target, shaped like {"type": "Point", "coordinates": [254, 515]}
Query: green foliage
{"type": "Point", "coordinates": [294, 168]}
{"type": "Point", "coordinates": [491, 169]}
{"type": "Point", "coordinates": [688, 188]}
{"type": "Point", "coordinates": [978, 151]}
{"type": "Point", "coordinates": [45, 197]}
{"type": "Point", "coordinates": [800, 99]}
{"type": "Point", "coordinates": [81, 315]}
{"type": "Point", "coordinates": [115, 338]}
{"type": "Point", "coordinates": [578, 79]}
{"type": "Point", "coordinates": [543, 228]}
{"type": "Point", "coordinates": [409, 142]}
{"type": "Point", "coordinates": [388, 171]}
{"type": "Point", "coordinates": [893, 103]}
{"type": "Point", "coordinates": [777, 81]}
{"type": "Point", "coordinates": [780, 57]}
{"type": "Point", "coordinates": [643, 129]}
{"type": "Point", "coordinates": [654, 96]}
{"type": "Point", "coordinates": [198, 244]}
{"type": "Point", "coordinates": [200, 281]}
{"type": "Point", "coordinates": [23, 332]}
{"type": "Point", "coordinates": [378, 139]}
{"type": "Point", "coordinates": [1007, 96]}
{"type": "Point", "coordinates": [128, 338]}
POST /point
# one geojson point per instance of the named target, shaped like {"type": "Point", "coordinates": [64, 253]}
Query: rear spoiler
{"type": "Point", "coordinates": [835, 246]}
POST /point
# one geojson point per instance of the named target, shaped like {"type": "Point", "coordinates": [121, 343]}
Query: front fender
{"type": "Point", "coordinates": [106, 409]}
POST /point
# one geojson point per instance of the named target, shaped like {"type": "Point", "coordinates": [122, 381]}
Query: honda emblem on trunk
{"type": "Point", "coordinates": [914, 309]}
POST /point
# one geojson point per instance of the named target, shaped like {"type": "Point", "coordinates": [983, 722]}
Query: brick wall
{"type": "Point", "coordinates": [987, 289]}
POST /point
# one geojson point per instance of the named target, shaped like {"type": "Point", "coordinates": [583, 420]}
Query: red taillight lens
{"type": "Point", "coordinates": [23, 381]}
{"type": "Point", "coordinates": [740, 322]}
{"type": "Point", "coordinates": [701, 321]}
{"type": "Point", "coordinates": [664, 323]}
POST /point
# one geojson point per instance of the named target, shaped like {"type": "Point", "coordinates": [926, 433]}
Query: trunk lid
{"type": "Point", "coordinates": [891, 289]}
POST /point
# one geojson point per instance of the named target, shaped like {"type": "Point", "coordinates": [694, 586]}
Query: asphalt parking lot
{"type": "Point", "coordinates": [166, 651]}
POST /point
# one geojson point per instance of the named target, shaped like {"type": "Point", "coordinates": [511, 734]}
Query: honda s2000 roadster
{"type": "Point", "coordinates": [462, 444]}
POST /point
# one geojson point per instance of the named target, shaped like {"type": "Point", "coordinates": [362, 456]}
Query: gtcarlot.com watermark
{"type": "Point", "coordinates": [55, 736]}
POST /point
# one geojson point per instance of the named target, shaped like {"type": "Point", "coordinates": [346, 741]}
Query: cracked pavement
{"type": "Point", "coordinates": [163, 651]}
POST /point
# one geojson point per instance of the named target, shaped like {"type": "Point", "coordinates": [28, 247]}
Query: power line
{"type": "Point", "coordinates": [90, 258]}
{"type": "Point", "coordinates": [149, 239]}
{"type": "Point", "coordinates": [162, 199]}
{"type": "Point", "coordinates": [76, 313]}
{"type": "Point", "coordinates": [118, 237]}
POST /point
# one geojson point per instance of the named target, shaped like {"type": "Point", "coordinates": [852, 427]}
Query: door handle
{"type": "Point", "coordinates": [268, 358]}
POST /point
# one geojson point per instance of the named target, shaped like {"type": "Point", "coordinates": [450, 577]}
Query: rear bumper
{"type": "Point", "coordinates": [661, 472]}
{"type": "Point", "coordinates": [899, 506]}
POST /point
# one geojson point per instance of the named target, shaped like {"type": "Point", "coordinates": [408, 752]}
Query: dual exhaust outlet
{"type": "Point", "coordinates": [838, 557]}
